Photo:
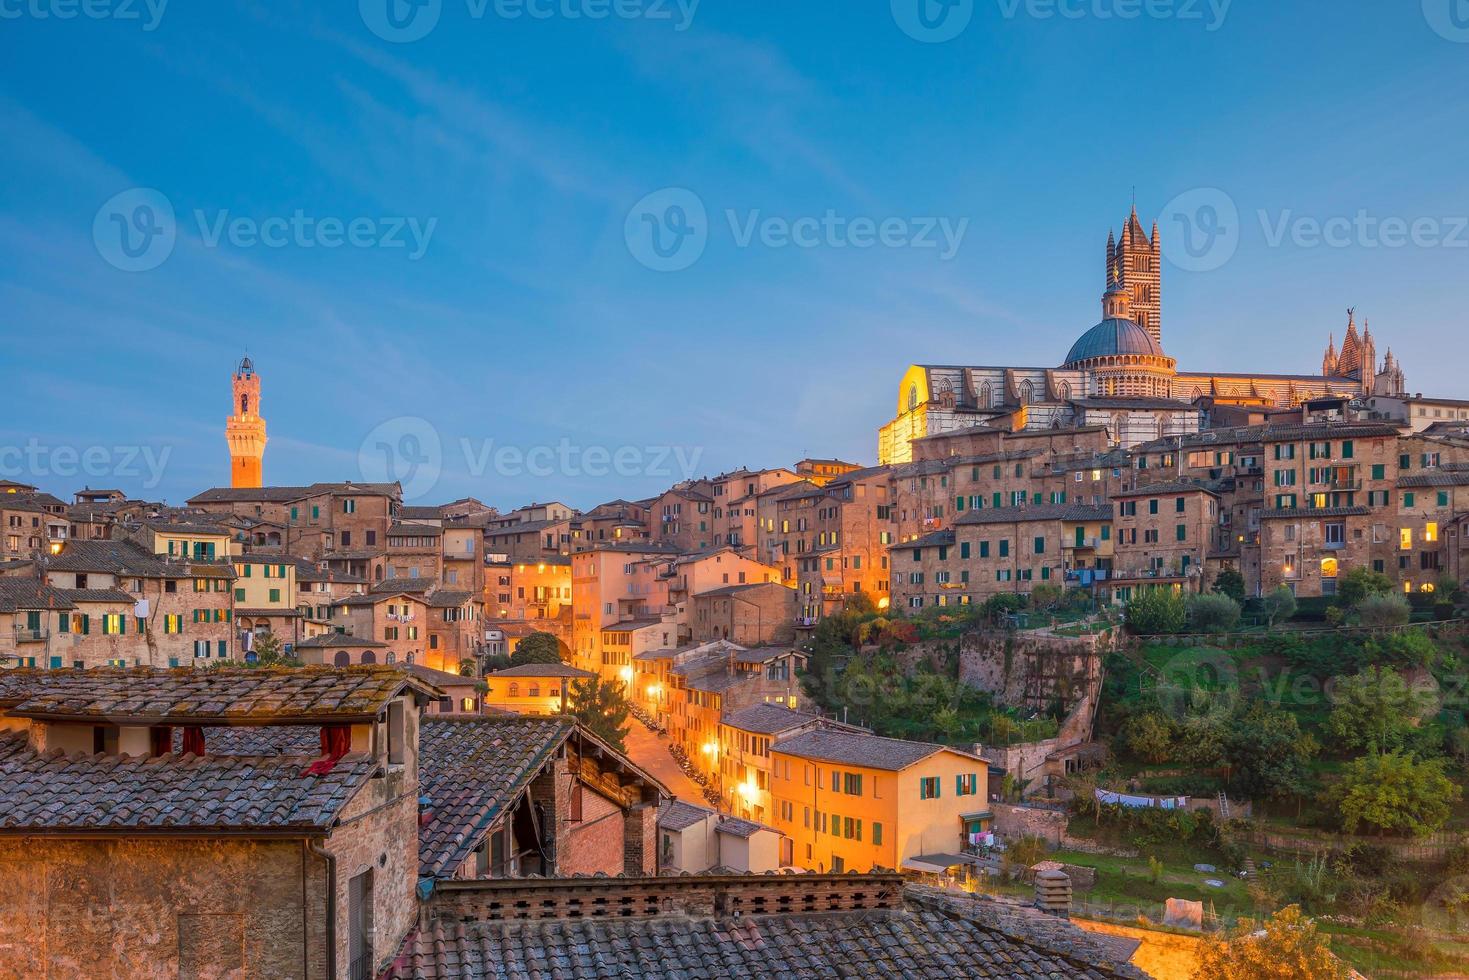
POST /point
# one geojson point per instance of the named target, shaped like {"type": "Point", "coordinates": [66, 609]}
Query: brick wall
{"type": "Point", "coordinates": [158, 907]}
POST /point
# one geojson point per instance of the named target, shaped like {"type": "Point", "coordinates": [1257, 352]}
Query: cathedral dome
{"type": "Point", "coordinates": [1111, 337]}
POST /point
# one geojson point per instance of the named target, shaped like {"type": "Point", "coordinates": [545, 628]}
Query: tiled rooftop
{"type": "Point", "coordinates": [226, 696]}
{"type": "Point", "coordinates": [767, 719]}
{"type": "Point", "coordinates": [471, 769]}
{"type": "Point", "coordinates": [856, 749]}
{"type": "Point", "coordinates": [50, 792]}
{"type": "Point", "coordinates": [924, 937]}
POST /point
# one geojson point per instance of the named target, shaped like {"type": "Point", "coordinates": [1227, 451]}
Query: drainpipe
{"type": "Point", "coordinates": [331, 905]}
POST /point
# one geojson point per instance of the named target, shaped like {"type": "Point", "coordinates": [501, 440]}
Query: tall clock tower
{"type": "Point", "coordinates": [245, 429]}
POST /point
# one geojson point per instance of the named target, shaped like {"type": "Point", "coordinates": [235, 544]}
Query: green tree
{"type": "Point", "coordinates": [1359, 583]}
{"type": "Point", "coordinates": [1267, 751]}
{"type": "Point", "coordinates": [1157, 611]}
{"type": "Point", "coordinates": [601, 706]}
{"type": "Point", "coordinates": [468, 667]}
{"type": "Point", "coordinates": [1230, 582]}
{"type": "Point", "coordinates": [1212, 613]}
{"type": "Point", "coordinates": [1374, 709]}
{"type": "Point", "coordinates": [1392, 793]}
{"type": "Point", "coordinates": [1288, 948]}
{"type": "Point", "coordinates": [1278, 605]}
{"type": "Point", "coordinates": [1149, 736]}
{"type": "Point", "coordinates": [537, 648]}
{"type": "Point", "coordinates": [269, 652]}
{"type": "Point", "coordinates": [1046, 596]}
{"type": "Point", "coordinates": [1379, 611]}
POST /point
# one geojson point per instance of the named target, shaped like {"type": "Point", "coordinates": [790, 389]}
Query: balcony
{"type": "Point", "coordinates": [25, 634]}
{"type": "Point", "coordinates": [1085, 544]}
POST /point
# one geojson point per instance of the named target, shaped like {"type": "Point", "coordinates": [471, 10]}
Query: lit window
{"type": "Point", "coordinates": [1430, 533]}
{"type": "Point", "coordinates": [1405, 538]}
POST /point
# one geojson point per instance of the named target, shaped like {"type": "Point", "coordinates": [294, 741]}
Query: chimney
{"type": "Point", "coordinates": [1053, 893]}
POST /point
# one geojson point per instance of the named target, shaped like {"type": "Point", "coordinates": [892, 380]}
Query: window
{"type": "Point", "coordinates": [1180, 533]}
{"type": "Point", "coordinates": [1040, 546]}
{"type": "Point", "coordinates": [877, 834]}
{"type": "Point", "coordinates": [397, 733]}
{"type": "Point", "coordinates": [852, 783]}
{"type": "Point", "coordinates": [966, 784]}
{"type": "Point", "coordinates": [928, 788]}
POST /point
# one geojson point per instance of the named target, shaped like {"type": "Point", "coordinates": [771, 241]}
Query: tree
{"type": "Point", "coordinates": [1359, 583]}
{"type": "Point", "coordinates": [1374, 709]}
{"type": "Point", "coordinates": [1392, 793]}
{"type": "Point", "coordinates": [1150, 737]}
{"type": "Point", "coordinates": [1379, 611]}
{"type": "Point", "coordinates": [1046, 596]}
{"type": "Point", "coordinates": [1231, 583]}
{"type": "Point", "coordinates": [1267, 751]}
{"type": "Point", "coordinates": [601, 706]}
{"type": "Point", "coordinates": [1212, 613]}
{"type": "Point", "coordinates": [1157, 611]}
{"type": "Point", "coordinates": [1288, 948]}
{"type": "Point", "coordinates": [269, 653]}
{"type": "Point", "coordinates": [1280, 604]}
{"type": "Point", "coordinates": [468, 667]}
{"type": "Point", "coordinates": [537, 648]}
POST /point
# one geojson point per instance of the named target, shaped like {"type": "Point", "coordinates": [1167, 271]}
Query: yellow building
{"type": "Point", "coordinates": [854, 802]}
{"type": "Point", "coordinates": [184, 540]}
{"type": "Point", "coordinates": [265, 596]}
{"type": "Point", "coordinates": [533, 689]}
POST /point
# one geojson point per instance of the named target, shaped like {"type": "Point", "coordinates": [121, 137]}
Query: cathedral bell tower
{"type": "Point", "coordinates": [245, 429]}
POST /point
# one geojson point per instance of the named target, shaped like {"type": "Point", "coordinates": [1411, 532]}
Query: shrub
{"type": "Point", "coordinates": [1212, 613]}
{"type": "Point", "coordinates": [1157, 611]}
{"type": "Point", "coordinates": [1359, 583]}
{"type": "Point", "coordinates": [1149, 736]}
{"type": "Point", "coordinates": [1231, 583]}
{"type": "Point", "coordinates": [1378, 611]}
{"type": "Point", "coordinates": [1278, 605]}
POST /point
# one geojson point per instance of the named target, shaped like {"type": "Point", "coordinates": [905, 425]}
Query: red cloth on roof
{"type": "Point", "coordinates": [193, 740]}
{"type": "Point", "coordinates": [336, 741]}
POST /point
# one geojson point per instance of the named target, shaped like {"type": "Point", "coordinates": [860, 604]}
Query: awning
{"type": "Point", "coordinates": [938, 864]}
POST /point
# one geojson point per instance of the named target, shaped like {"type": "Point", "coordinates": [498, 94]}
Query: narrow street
{"type": "Point", "coordinates": [651, 752]}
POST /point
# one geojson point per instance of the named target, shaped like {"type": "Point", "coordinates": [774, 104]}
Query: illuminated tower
{"type": "Point", "coordinates": [245, 430]}
{"type": "Point", "coordinates": [1137, 262]}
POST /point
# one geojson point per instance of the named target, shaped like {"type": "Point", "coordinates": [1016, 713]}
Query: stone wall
{"type": "Point", "coordinates": [146, 907]}
{"type": "Point", "coordinates": [1023, 821]}
{"type": "Point", "coordinates": [1034, 670]}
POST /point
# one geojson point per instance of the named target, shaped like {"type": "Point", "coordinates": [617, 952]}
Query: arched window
{"type": "Point", "coordinates": [1027, 392]}
{"type": "Point", "coordinates": [408, 659]}
{"type": "Point", "coordinates": [342, 659]}
{"type": "Point", "coordinates": [912, 396]}
{"type": "Point", "coordinates": [514, 690]}
{"type": "Point", "coordinates": [368, 657]}
{"type": "Point", "coordinates": [535, 690]}
{"type": "Point", "coordinates": [1065, 391]}
{"type": "Point", "coordinates": [391, 658]}
{"type": "Point", "coordinates": [986, 396]}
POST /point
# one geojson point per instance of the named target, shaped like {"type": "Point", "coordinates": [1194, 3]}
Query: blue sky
{"type": "Point", "coordinates": [519, 146]}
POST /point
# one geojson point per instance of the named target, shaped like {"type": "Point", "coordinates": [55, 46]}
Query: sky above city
{"type": "Point", "coordinates": [581, 249]}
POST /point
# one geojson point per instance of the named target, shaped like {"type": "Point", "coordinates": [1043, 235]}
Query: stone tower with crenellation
{"type": "Point", "coordinates": [245, 429]}
{"type": "Point", "coordinates": [1136, 262]}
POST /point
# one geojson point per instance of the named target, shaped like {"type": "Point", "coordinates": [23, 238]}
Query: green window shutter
{"type": "Point", "coordinates": [1443, 498]}
{"type": "Point", "coordinates": [964, 549]}
{"type": "Point", "coordinates": [1040, 545]}
{"type": "Point", "coordinates": [958, 503]}
{"type": "Point", "coordinates": [86, 623]}
{"type": "Point", "coordinates": [1005, 548]}
{"type": "Point", "coordinates": [1106, 532]}
{"type": "Point", "coordinates": [1379, 471]}
{"type": "Point", "coordinates": [221, 647]}
{"type": "Point", "coordinates": [984, 549]}
{"type": "Point", "coordinates": [239, 595]}
{"type": "Point", "coordinates": [247, 571]}
{"type": "Point", "coordinates": [1408, 499]}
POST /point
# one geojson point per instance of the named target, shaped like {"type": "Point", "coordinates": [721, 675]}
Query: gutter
{"type": "Point", "coordinates": [331, 905]}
